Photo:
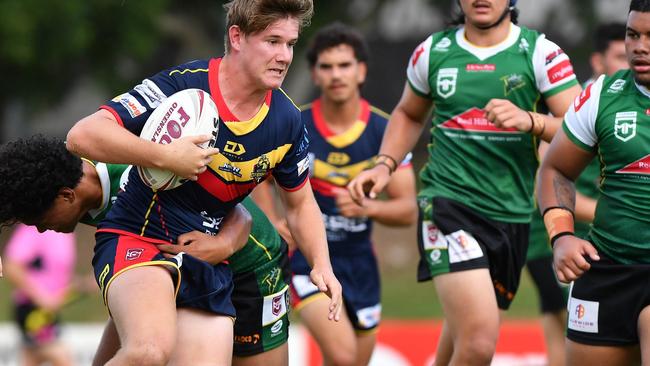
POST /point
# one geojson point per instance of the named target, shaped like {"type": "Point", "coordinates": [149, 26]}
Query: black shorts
{"type": "Point", "coordinates": [457, 238]}
{"type": "Point", "coordinates": [38, 327]}
{"type": "Point", "coordinates": [552, 295]}
{"type": "Point", "coordinates": [605, 303]}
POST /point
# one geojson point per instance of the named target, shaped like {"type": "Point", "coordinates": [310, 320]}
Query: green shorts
{"type": "Point", "coordinates": [261, 300]}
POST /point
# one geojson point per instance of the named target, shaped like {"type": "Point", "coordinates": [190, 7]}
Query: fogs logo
{"type": "Point", "coordinates": [447, 82]}
{"type": "Point", "coordinates": [625, 126]}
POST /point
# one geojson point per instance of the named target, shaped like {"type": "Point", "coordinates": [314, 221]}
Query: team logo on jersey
{"type": "Point", "coordinates": [228, 168]}
{"type": "Point", "coordinates": [234, 148]}
{"type": "Point", "coordinates": [625, 126]}
{"type": "Point", "coordinates": [338, 158]}
{"type": "Point", "coordinates": [524, 45]}
{"type": "Point", "coordinates": [617, 86]}
{"type": "Point", "coordinates": [261, 169]}
{"type": "Point", "coordinates": [447, 82]}
{"type": "Point", "coordinates": [442, 45]}
{"type": "Point", "coordinates": [641, 167]}
{"type": "Point", "coordinates": [512, 82]}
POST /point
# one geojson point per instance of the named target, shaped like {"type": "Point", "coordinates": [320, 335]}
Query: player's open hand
{"type": "Point", "coordinates": [371, 181]}
{"type": "Point", "coordinates": [504, 114]}
{"type": "Point", "coordinates": [185, 158]}
{"type": "Point", "coordinates": [326, 282]}
{"type": "Point", "coordinates": [569, 257]}
{"type": "Point", "coordinates": [200, 245]}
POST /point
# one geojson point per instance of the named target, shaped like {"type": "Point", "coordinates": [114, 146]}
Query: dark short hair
{"type": "Point", "coordinates": [32, 171]}
{"type": "Point", "coordinates": [607, 33]}
{"type": "Point", "coordinates": [254, 16]}
{"type": "Point", "coordinates": [333, 35]}
{"type": "Point", "coordinates": [640, 5]}
{"type": "Point", "coordinates": [459, 17]}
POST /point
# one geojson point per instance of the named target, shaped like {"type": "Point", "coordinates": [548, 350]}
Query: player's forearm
{"type": "Point", "coordinates": [101, 138]}
{"type": "Point", "coordinates": [585, 208]}
{"type": "Point", "coordinates": [393, 212]}
{"type": "Point", "coordinates": [554, 189]}
{"type": "Point", "coordinates": [401, 135]}
{"type": "Point", "coordinates": [308, 230]}
{"type": "Point", "coordinates": [235, 229]}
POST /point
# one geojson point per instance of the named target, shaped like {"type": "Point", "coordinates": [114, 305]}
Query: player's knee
{"type": "Point", "coordinates": [147, 354]}
{"type": "Point", "coordinates": [477, 350]}
{"type": "Point", "coordinates": [343, 355]}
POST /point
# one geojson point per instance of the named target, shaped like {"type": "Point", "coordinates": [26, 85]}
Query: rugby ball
{"type": "Point", "coordinates": [189, 112]}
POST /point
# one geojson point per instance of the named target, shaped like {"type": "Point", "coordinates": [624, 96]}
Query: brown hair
{"type": "Point", "coordinates": [253, 16]}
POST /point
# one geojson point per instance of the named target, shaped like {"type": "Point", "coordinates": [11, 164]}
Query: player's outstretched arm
{"type": "Point", "coordinates": [100, 137]}
{"type": "Point", "coordinates": [232, 236]}
{"type": "Point", "coordinates": [307, 228]}
{"type": "Point", "coordinates": [403, 130]}
{"type": "Point", "coordinates": [562, 164]}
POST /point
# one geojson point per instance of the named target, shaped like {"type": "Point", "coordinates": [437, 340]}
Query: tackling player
{"type": "Point", "coordinates": [261, 135]}
{"type": "Point", "coordinates": [609, 314]}
{"type": "Point", "coordinates": [484, 78]}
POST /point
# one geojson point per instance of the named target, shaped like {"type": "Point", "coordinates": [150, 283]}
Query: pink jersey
{"type": "Point", "coordinates": [49, 258]}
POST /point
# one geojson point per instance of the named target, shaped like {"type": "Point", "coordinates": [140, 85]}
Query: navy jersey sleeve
{"type": "Point", "coordinates": [131, 109]}
{"type": "Point", "coordinates": [293, 171]}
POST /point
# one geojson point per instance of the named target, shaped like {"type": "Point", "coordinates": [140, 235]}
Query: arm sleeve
{"type": "Point", "coordinates": [293, 171]}
{"type": "Point", "coordinates": [417, 71]}
{"type": "Point", "coordinates": [580, 121]}
{"type": "Point", "coordinates": [553, 68]}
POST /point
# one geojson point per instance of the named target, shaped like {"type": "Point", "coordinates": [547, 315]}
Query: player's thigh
{"type": "Point", "coordinates": [331, 336]}
{"type": "Point", "coordinates": [277, 356]}
{"type": "Point", "coordinates": [579, 354]}
{"type": "Point", "coordinates": [469, 303]}
{"type": "Point", "coordinates": [149, 317]}
{"type": "Point", "coordinates": [644, 335]}
{"type": "Point", "coordinates": [108, 345]}
{"type": "Point", "coordinates": [202, 338]}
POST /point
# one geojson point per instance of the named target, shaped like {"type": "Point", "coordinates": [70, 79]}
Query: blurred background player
{"type": "Point", "coordinates": [40, 266]}
{"type": "Point", "coordinates": [483, 78]}
{"type": "Point", "coordinates": [345, 133]}
{"type": "Point", "coordinates": [608, 57]}
{"type": "Point", "coordinates": [609, 312]}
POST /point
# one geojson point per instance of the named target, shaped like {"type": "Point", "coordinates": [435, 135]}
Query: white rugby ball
{"type": "Point", "coordinates": [189, 112]}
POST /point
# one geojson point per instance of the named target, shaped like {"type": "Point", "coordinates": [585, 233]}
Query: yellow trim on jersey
{"type": "Point", "coordinates": [339, 176]}
{"type": "Point", "coordinates": [304, 107]}
{"type": "Point", "coordinates": [146, 216]}
{"type": "Point", "coordinates": [266, 251]}
{"type": "Point", "coordinates": [89, 162]}
{"type": "Point", "coordinates": [243, 127]}
{"type": "Point", "coordinates": [348, 137]}
{"type": "Point", "coordinates": [246, 167]}
{"type": "Point", "coordinates": [313, 297]}
{"type": "Point", "coordinates": [380, 112]}
{"type": "Point", "coordinates": [144, 264]}
{"type": "Point", "coordinates": [193, 71]}
{"type": "Point", "coordinates": [288, 97]}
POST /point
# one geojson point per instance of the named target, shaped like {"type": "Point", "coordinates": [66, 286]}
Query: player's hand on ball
{"type": "Point", "coordinates": [184, 158]}
{"type": "Point", "coordinates": [326, 282]}
{"type": "Point", "coordinates": [371, 181]}
{"type": "Point", "coordinates": [504, 115]}
{"type": "Point", "coordinates": [569, 257]}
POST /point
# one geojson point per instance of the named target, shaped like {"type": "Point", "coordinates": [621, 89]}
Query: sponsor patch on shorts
{"type": "Point", "coordinates": [583, 315]}
{"type": "Point", "coordinates": [369, 317]}
{"type": "Point", "coordinates": [463, 247]}
{"type": "Point", "coordinates": [275, 306]}
{"type": "Point", "coordinates": [432, 237]}
{"type": "Point", "coordinates": [303, 286]}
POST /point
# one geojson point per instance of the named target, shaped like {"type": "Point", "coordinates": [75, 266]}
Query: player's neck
{"type": "Point", "coordinates": [339, 116]}
{"type": "Point", "coordinates": [238, 90]}
{"type": "Point", "coordinates": [89, 189]}
{"type": "Point", "coordinates": [487, 37]}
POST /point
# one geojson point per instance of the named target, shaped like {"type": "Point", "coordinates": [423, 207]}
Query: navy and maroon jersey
{"type": "Point", "coordinates": [273, 142]}
{"type": "Point", "coordinates": [336, 159]}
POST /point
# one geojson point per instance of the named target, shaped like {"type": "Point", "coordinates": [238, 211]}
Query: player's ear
{"type": "Point", "coordinates": [363, 71]}
{"type": "Point", "coordinates": [235, 36]}
{"type": "Point", "coordinates": [67, 194]}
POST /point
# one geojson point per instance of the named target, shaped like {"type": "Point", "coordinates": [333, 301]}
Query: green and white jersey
{"type": "Point", "coordinates": [264, 243]}
{"type": "Point", "coordinates": [611, 118]}
{"type": "Point", "coordinates": [112, 177]}
{"type": "Point", "coordinates": [491, 170]}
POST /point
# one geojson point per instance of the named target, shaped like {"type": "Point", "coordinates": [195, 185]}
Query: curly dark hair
{"type": "Point", "coordinates": [333, 35]}
{"type": "Point", "coordinates": [32, 171]}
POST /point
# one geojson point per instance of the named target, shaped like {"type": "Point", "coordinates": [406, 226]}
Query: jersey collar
{"type": "Point", "coordinates": [105, 181]}
{"type": "Point", "coordinates": [643, 89]}
{"type": "Point", "coordinates": [350, 135]}
{"type": "Point", "coordinates": [483, 53]}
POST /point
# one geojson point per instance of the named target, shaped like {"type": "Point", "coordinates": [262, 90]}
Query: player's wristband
{"type": "Point", "coordinates": [383, 162]}
{"type": "Point", "coordinates": [532, 122]}
{"type": "Point", "coordinates": [559, 235]}
{"type": "Point", "coordinates": [383, 159]}
{"type": "Point", "coordinates": [538, 125]}
{"type": "Point", "coordinates": [559, 221]}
